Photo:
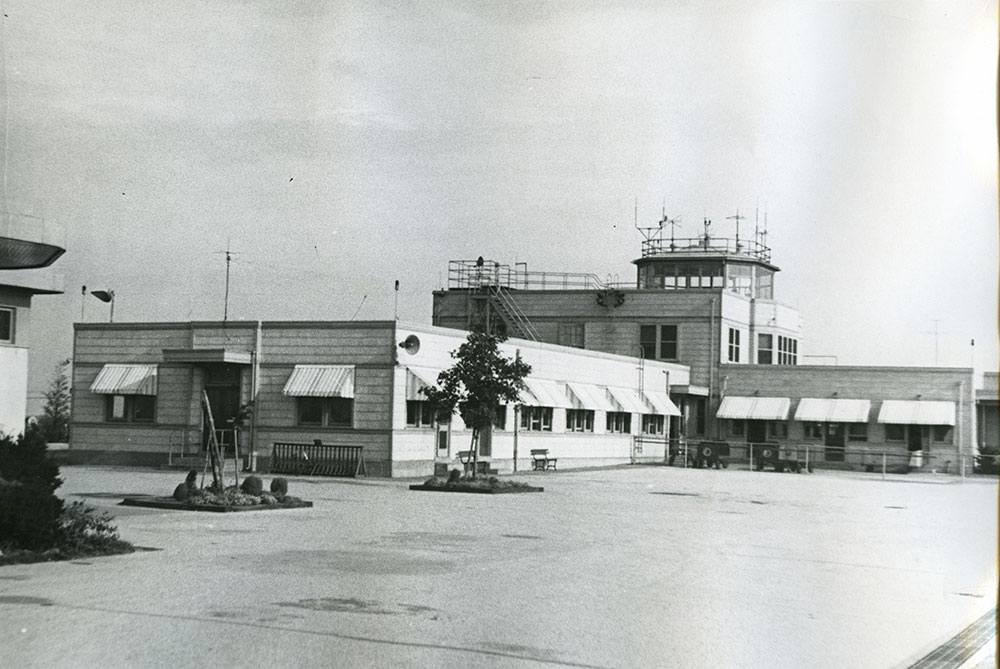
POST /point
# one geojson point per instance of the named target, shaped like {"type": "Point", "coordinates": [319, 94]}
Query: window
{"type": "Point", "coordinates": [942, 433]}
{"type": "Point", "coordinates": [419, 413]}
{"type": "Point", "coordinates": [6, 325]}
{"type": "Point", "coordinates": [700, 412]}
{"type": "Point", "coordinates": [736, 428]}
{"type": "Point", "coordinates": [765, 349]}
{"type": "Point", "coordinates": [329, 411]}
{"type": "Point", "coordinates": [895, 433]}
{"type": "Point", "coordinates": [536, 419]}
{"type": "Point", "coordinates": [765, 284]}
{"type": "Point", "coordinates": [130, 408]}
{"type": "Point", "coordinates": [619, 422]}
{"type": "Point", "coordinates": [812, 430]}
{"type": "Point", "coordinates": [740, 279]}
{"type": "Point", "coordinates": [652, 424]}
{"type": "Point", "coordinates": [777, 429]}
{"type": "Point", "coordinates": [857, 431]}
{"type": "Point", "coordinates": [734, 345]}
{"type": "Point", "coordinates": [500, 418]}
{"type": "Point", "coordinates": [579, 420]}
{"type": "Point", "coordinates": [571, 334]}
{"type": "Point", "coordinates": [788, 351]}
{"type": "Point", "coordinates": [658, 342]}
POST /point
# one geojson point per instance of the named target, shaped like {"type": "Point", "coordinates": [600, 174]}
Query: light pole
{"type": "Point", "coordinates": [106, 296]}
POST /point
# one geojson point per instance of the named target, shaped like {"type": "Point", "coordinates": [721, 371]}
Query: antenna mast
{"type": "Point", "coordinates": [737, 218]}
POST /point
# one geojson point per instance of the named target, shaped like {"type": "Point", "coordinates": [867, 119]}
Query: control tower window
{"type": "Point", "coordinates": [740, 279]}
{"type": "Point", "coordinates": [765, 284]}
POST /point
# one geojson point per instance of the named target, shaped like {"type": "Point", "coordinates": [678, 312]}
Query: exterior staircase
{"type": "Point", "coordinates": [517, 323]}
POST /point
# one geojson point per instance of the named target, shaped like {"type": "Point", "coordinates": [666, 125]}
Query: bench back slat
{"type": "Point", "coordinates": [322, 459]}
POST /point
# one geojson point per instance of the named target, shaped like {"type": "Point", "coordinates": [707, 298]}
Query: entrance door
{"type": "Point", "coordinates": [915, 437]}
{"type": "Point", "coordinates": [756, 431]}
{"type": "Point", "coordinates": [834, 442]}
{"type": "Point", "coordinates": [222, 385]}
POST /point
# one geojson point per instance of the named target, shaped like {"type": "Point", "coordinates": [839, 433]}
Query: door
{"type": "Point", "coordinates": [834, 437]}
{"type": "Point", "coordinates": [486, 442]}
{"type": "Point", "coordinates": [756, 431]}
{"type": "Point", "coordinates": [222, 385]}
{"type": "Point", "coordinates": [915, 437]}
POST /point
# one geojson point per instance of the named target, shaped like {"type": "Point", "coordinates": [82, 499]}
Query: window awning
{"type": "Point", "coordinates": [546, 394]}
{"type": "Point", "coordinates": [917, 412]}
{"type": "Point", "coordinates": [660, 401]}
{"type": "Point", "coordinates": [627, 400]}
{"type": "Point", "coordinates": [417, 378]}
{"type": "Point", "coordinates": [832, 410]}
{"type": "Point", "coordinates": [587, 396]}
{"type": "Point", "coordinates": [125, 380]}
{"type": "Point", "coordinates": [321, 381]}
{"type": "Point", "coordinates": [754, 408]}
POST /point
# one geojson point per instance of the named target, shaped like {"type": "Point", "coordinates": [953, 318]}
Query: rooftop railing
{"type": "Point", "coordinates": [706, 245]}
{"type": "Point", "coordinates": [473, 274]}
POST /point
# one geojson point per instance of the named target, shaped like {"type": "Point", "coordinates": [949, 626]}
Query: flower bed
{"type": "Point", "coordinates": [484, 486]}
{"type": "Point", "coordinates": [250, 496]}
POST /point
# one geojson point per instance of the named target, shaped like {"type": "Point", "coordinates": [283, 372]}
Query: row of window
{"type": "Point", "coordinates": [778, 429]}
{"type": "Point", "coordinates": [738, 277]}
{"type": "Point", "coordinates": [788, 349]}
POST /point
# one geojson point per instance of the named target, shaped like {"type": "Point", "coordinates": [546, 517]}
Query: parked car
{"type": "Point", "coordinates": [781, 457]}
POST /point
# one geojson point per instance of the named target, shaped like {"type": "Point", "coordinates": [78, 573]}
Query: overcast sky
{"type": "Point", "coordinates": [340, 146]}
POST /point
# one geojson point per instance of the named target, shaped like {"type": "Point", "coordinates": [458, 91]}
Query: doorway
{"type": "Point", "coordinates": [222, 385]}
{"type": "Point", "coordinates": [834, 436]}
{"type": "Point", "coordinates": [915, 437]}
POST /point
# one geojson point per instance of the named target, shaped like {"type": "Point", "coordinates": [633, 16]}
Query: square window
{"type": "Point", "coordinates": [310, 411]}
{"type": "Point", "coordinates": [419, 414]}
{"type": "Point", "coordinates": [857, 432]}
{"type": "Point", "coordinates": [895, 433]}
{"type": "Point", "coordinates": [736, 428]}
{"type": "Point", "coordinates": [619, 422]}
{"type": "Point", "coordinates": [943, 433]}
{"type": "Point", "coordinates": [777, 429]}
{"type": "Point", "coordinates": [813, 430]}
{"type": "Point", "coordinates": [652, 424]}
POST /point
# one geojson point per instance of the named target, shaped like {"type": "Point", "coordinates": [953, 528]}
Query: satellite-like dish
{"type": "Point", "coordinates": [411, 344]}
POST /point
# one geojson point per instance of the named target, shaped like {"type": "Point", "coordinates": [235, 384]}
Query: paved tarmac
{"type": "Point", "coordinates": [630, 567]}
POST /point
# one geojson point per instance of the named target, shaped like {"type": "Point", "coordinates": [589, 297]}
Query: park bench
{"type": "Point", "coordinates": [482, 467]}
{"type": "Point", "coordinates": [317, 458]}
{"type": "Point", "coordinates": [540, 459]}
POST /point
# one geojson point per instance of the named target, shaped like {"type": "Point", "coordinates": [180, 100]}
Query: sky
{"type": "Point", "coordinates": [336, 147]}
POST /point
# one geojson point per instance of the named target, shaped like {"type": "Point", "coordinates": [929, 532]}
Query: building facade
{"type": "Point", "coordinates": [139, 393]}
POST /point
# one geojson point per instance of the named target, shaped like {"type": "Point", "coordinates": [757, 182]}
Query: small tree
{"type": "Point", "coordinates": [54, 422]}
{"type": "Point", "coordinates": [481, 379]}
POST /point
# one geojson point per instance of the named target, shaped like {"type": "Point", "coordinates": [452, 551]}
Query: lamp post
{"type": "Point", "coordinates": [106, 296]}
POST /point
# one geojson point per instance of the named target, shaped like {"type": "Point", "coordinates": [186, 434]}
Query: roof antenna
{"type": "Point", "coordinates": [737, 218]}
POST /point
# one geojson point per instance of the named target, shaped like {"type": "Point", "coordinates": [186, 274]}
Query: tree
{"type": "Point", "coordinates": [481, 380]}
{"type": "Point", "coordinates": [54, 422]}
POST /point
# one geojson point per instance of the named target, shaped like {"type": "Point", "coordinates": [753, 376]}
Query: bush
{"type": "Point", "coordinates": [252, 485]}
{"type": "Point", "coordinates": [82, 531]}
{"type": "Point", "coordinates": [29, 516]}
{"type": "Point", "coordinates": [454, 476]}
{"type": "Point", "coordinates": [26, 461]}
{"type": "Point", "coordinates": [192, 480]}
{"type": "Point", "coordinates": [181, 492]}
{"type": "Point", "coordinates": [279, 487]}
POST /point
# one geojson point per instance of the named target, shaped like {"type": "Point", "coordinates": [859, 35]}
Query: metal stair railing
{"type": "Point", "coordinates": [512, 313]}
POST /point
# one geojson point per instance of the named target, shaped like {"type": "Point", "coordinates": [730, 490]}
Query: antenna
{"type": "Point", "coordinates": [359, 307]}
{"type": "Point", "coordinates": [756, 223]}
{"type": "Point", "coordinates": [395, 306]}
{"type": "Point", "coordinates": [737, 218]}
{"type": "Point", "coordinates": [229, 259]}
{"type": "Point", "coordinates": [707, 222]}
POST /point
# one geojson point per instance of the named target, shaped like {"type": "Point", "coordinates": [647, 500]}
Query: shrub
{"type": "Point", "coordinates": [26, 460]}
{"type": "Point", "coordinates": [82, 531]}
{"type": "Point", "coordinates": [454, 476]}
{"type": "Point", "coordinates": [252, 485]}
{"type": "Point", "coordinates": [279, 487]}
{"type": "Point", "coordinates": [29, 516]}
{"type": "Point", "coordinates": [182, 492]}
{"type": "Point", "coordinates": [192, 480]}
{"type": "Point", "coordinates": [267, 498]}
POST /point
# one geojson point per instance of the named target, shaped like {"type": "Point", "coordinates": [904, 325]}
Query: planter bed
{"type": "Point", "coordinates": [171, 503]}
{"type": "Point", "coordinates": [476, 489]}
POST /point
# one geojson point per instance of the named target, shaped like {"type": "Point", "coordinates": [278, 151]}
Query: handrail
{"type": "Point", "coordinates": [520, 319]}
{"type": "Point", "coordinates": [706, 245]}
{"type": "Point", "coordinates": [473, 274]}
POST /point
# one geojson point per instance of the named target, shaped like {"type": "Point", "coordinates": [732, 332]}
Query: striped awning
{"type": "Point", "coordinates": [587, 396]}
{"type": "Point", "coordinates": [125, 380]}
{"type": "Point", "coordinates": [417, 378]}
{"type": "Point", "coordinates": [754, 408]}
{"type": "Point", "coordinates": [546, 394]}
{"type": "Point", "coordinates": [627, 400]}
{"type": "Point", "coordinates": [832, 410]}
{"type": "Point", "coordinates": [917, 412]}
{"type": "Point", "coordinates": [321, 381]}
{"type": "Point", "coordinates": [660, 401]}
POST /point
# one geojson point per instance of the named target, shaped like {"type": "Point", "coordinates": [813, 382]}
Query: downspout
{"type": "Point", "coordinates": [254, 392]}
{"type": "Point", "coordinates": [712, 362]}
{"type": "Point", "coordinates": [961, 456]}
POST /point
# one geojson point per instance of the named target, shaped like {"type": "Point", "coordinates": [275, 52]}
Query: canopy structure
{"type": "Point", "coordinates": [587, 396]}
{"type": "Point", "coordinates": [917, 412]}
{"type": "Point", "coordinates": [321, 381]}
{"type": "Point", "coordinates": [661, 402]}
{"type": "Point", "coordinates": [754, 408]}
{"type": "Point", "coordinates": [832, 410]}
{"type": "Point", "coordinates": [542, 393]}
{"type": "Point", "coordinates": [417, 378]}
{"type": "Point", "coordinates": [125, 380]}
{"type": "Point", "coordinates": [627, 400]}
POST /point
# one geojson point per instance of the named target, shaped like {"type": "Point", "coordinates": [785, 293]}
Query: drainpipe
{"type": "Point", "coordinates": [712, 362]}
{"type": "Point", "coordinates": [254, 392]}
{"type": "Point", "coordinates": [961, 457]}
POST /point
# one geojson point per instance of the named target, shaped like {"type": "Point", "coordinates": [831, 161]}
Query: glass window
{"type": "Point", "coordinates": [130, 408]}
{"type": "Point", "coordinates": [700, 411]}
{"type": "Point", "coordinates": [857, 432]}
{"type": "Point", "coordinates": [310, 411]}
{"type": "Point", "coordinates": [647, 340]}
{"type": "Point", "coordinates": [668, 342]}
{"type": "Point", "coordinates": [895, 433]}
{"type": "Point", "coordinates": [736, 428]}
{"type": "Point", "coordinates": [7, 325]}
{"type": "Point", "coordinates": [536, 419]}
{"type": "Point", "coordinates": [619, 422]}
{"type": "Point", "coordinates": [327, 411]}
{"type": "Point", "coordinates": [419, 413]}
{"type": "Point", "coordinates": [579, 420]}
{"type": "Point", "coordinates": [765, 349]}
{"type": "Point", "coordinates": [765, 284]}
{"type": "Point", "coordinates": [942, 433]}
{"type": "Point", "coordinates": [500, 418]}
{"type": "Point", "coordinates": [812, 430]}
{"type": "Point", "coordinates": [777, 429]}
{"type": "Point", "coordinates": [788, 349]}
{"type": "Point", "coordinates": [571, 334]}
{"type": "Point", "coordinates": [734, 345]}
{"type": "Point", "coordinates": [652, 424]}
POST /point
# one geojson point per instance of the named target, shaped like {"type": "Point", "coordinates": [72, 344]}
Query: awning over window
{"type": "Point", "coordinates": [832, 410]}
{"type": "Point", "coordinates": [587, 396]}
{"type": "Point", "coordinates": [546, 394]}
{"type": "Point", "coordinates": [660, 401]}
{"type": "Point", "coordinates": [917, 412]}
{"type": "Point", "coordinates": [321, 381]}
{"type": "Point", "coordinates": [125, 380]}
{"type": "Point", "coordinates": [754, 408]}
{"type": "Point", "coordinates": [417, 378]}
{"type": "Point", "coordinates": [627, 400]}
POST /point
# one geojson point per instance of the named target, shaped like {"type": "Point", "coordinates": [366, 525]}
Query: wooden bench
{"type": "Point", "coordinates": [317, 458]}
{"type": "Point", "coordinates": [483, 465]}
{"type": "Point", "coordinates": [540, 459]}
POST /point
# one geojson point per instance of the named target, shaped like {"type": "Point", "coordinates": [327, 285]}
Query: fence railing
{"type": "Point", "coordinates": [317, 459]}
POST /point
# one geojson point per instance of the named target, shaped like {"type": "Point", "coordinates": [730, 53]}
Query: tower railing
{"type": "Point", "coordinates": [473, 274]}
{"type": "Point", "coordinates": [706, 245]}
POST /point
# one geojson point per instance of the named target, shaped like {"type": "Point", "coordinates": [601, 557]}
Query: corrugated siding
{"type": "Point", "coordinates": [831, 410]}
{"type": "Point", "coordinates": [757, 408]}
{"type": "Point", "coordinates": [125, 380]}
{"type": "Point", "coordinates": [917, 412]}
{"type": "Point", "coordinates": [321, 381]}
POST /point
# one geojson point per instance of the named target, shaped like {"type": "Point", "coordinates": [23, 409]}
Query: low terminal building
{"type": "Point", "coordinates": [138, 392]}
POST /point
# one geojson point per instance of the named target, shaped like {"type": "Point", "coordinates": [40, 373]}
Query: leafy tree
{"type": "Point", "coordinates": [54, 422]}
{"type": "Point", "coordinates": [480, 381]}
